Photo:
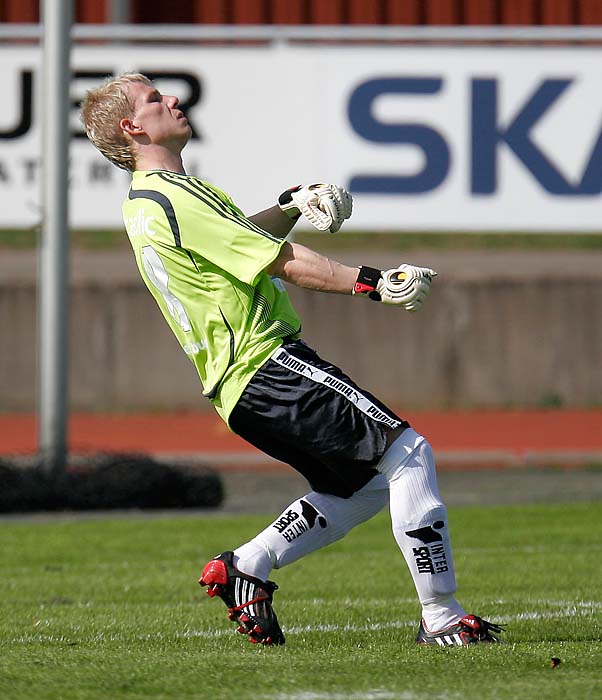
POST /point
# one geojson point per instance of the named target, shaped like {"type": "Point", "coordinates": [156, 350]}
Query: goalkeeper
{"type": "Point", "coordinates": [216, 276]}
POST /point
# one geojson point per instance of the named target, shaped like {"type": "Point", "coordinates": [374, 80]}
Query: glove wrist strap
{"type": "Point", "coordinates": [285, 202]}
{"type": "Point", "coordinates": [367, 279]}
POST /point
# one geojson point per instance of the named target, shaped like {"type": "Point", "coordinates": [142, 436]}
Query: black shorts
{"type": "Point", "coordinates": [306, 412]}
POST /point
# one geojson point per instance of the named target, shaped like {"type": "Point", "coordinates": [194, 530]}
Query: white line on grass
{"type": "Point", "coordinates": [566, 609]}
{"type": "Point", "coordinates": [375, 694]}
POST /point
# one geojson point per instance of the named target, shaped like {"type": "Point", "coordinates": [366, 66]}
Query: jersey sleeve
{"type": "Point", "coordinates": [240, 251]}
{"type": "Point", "coordinates": [220, 232]}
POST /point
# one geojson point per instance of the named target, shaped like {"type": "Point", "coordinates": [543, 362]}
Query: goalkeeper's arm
{"type": "Point", "coordinates": [274, 220]}
{"type": "Point", "coordinates": [405, 286]}
{"type": "Point", "coordinates": [325, 207]}
{"type": "Point", "coordinates": [304, 267]}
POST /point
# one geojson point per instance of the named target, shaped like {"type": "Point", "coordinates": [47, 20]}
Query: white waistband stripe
{"type": "Point", "coordinates": [351, 393]}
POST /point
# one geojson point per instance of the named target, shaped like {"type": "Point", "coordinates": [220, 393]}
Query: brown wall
{"type": "Point", "coordinates": [489, 342]}
{"type": "Point", "coordinates": [439, 12]}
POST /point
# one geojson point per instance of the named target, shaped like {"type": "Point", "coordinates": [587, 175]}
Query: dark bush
{"type": "Point", "coordinates": [107, 482]}
{"type": "Point", "coordinates": [24, 489]}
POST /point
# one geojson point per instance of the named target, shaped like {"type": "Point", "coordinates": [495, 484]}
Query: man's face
{"type": "Point", "coordinates": [157, 119]}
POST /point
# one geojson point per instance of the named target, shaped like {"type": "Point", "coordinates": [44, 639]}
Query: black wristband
{"type": "Point", "coordinates": [367, 279]}
{"type": "Point", "coordinates": [285, 201]}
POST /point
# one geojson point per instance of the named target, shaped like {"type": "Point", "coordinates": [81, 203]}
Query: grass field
{"type": "Point", "coordinates": [104, 608]}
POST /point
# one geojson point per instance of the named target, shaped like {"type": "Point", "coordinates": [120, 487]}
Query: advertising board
{"type": "Point", "coordinates": [426, 138]}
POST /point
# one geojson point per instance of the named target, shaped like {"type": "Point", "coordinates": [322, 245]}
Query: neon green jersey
{"type": "Point", "coordinates": [204, 262]}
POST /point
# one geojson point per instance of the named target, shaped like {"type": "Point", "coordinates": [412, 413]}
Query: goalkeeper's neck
{"type": "Point", "coordinates": [158, 157]}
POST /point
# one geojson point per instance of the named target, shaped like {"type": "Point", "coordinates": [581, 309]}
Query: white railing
{"type": "Point", "coordinates": [372, 34]}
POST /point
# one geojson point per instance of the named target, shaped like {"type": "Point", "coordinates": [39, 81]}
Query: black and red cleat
{"type": "Point", "coordinates": [469, 630]}
{"type": "Point", "coordinates": [248, 599]}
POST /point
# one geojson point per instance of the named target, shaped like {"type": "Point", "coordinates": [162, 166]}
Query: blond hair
{"type": "Point", "coordinates": [101, 112]}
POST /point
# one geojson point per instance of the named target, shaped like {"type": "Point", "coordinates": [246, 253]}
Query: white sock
{"type": "Point", "coordinates": [442, 613]}
{"type": "Point", "coordinates": [308, 524]}
{"type": "Point", "coordinates": [419, 521]}
{"type": "Point", "coordinates": [252, 559]}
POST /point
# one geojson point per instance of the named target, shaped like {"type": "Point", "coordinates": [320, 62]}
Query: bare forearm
{"type": "Point", "coordinates": [304, 267]}
{"type": "Point", "coordinates": [274, 220]}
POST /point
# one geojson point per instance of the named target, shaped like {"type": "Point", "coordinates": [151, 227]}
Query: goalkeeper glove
{"type": "Point", "coordinates": [325, 206]}
{"type": "Point", "coordinates": [407, 285]}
